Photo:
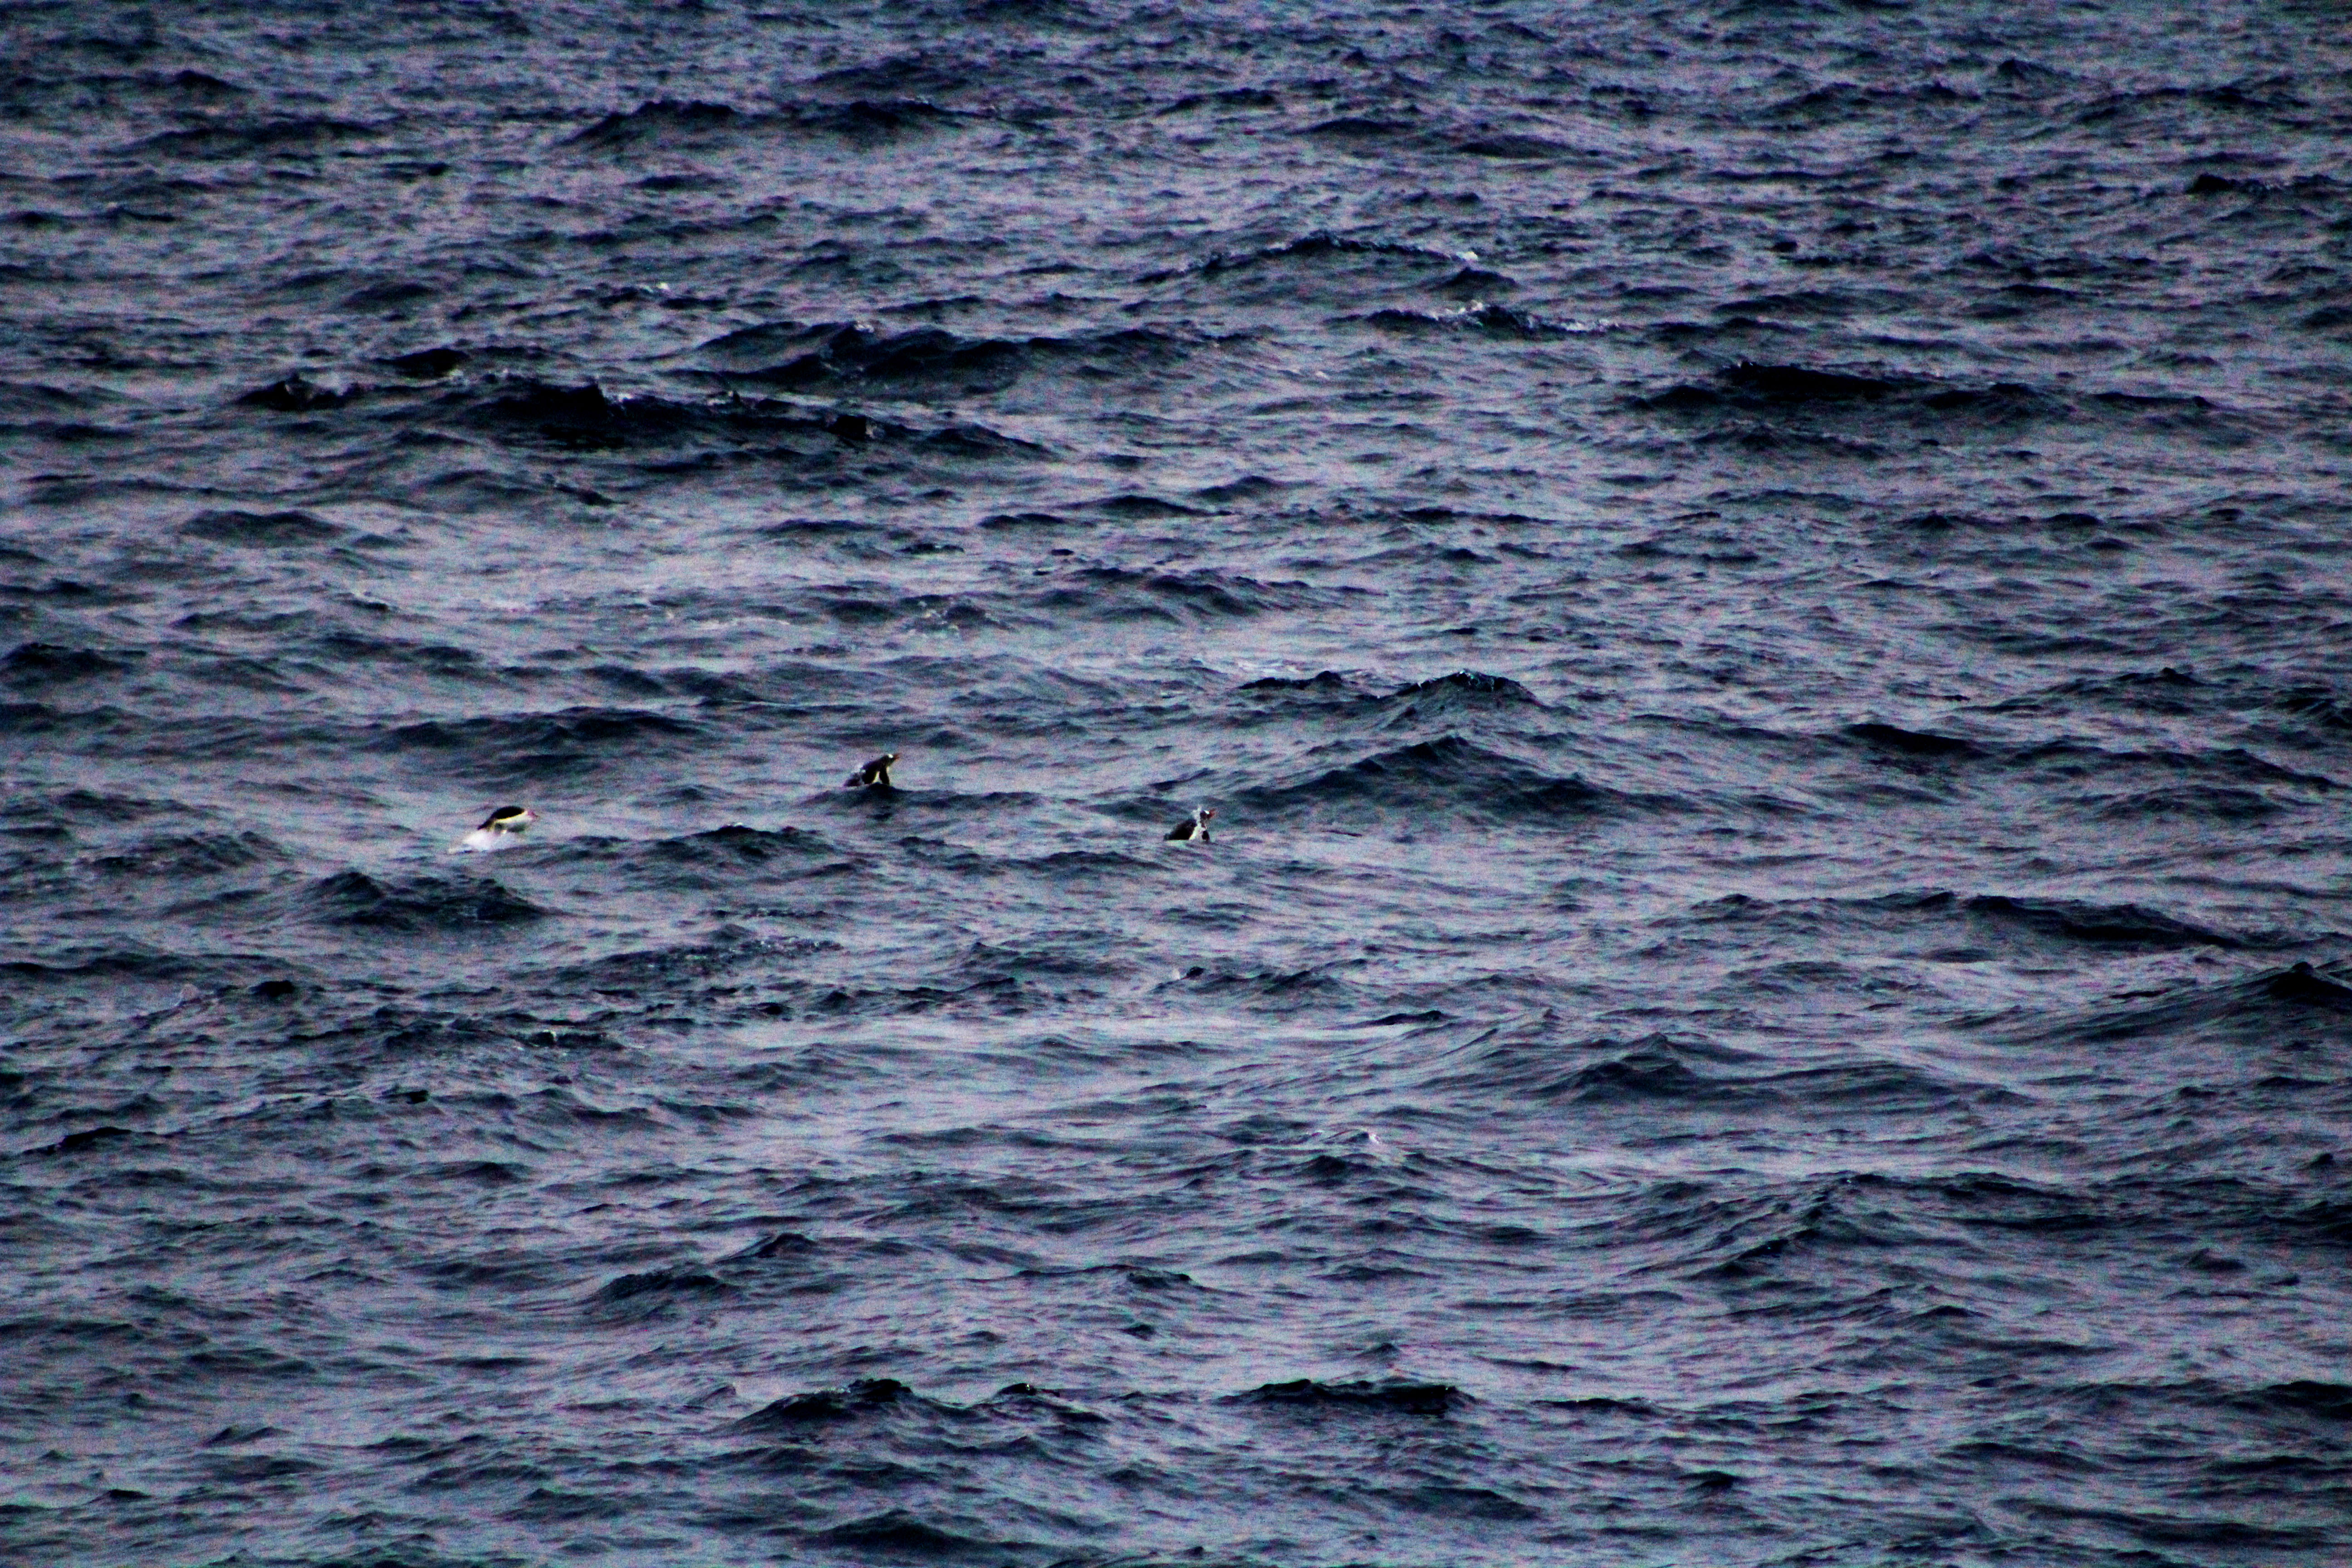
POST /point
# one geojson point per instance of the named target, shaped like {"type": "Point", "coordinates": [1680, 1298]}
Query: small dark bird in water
{"type": "Point", "coordinates": [875, 774]}
{"type": "Point", "coordinates": [1195, 826]}
{"type": "Point", "coordinates": [499, 829]}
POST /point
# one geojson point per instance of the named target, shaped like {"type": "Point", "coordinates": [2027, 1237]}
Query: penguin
{"type": "Point", "coordinates": [498, 830]}
{"type": "Point", "coordinates": [875, 774]}
{"type": "Point", "coordinates": [1195, 827]}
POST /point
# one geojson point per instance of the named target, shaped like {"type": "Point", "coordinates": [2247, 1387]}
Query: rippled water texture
{"type": "Point", "coordinates": [1759, 590]}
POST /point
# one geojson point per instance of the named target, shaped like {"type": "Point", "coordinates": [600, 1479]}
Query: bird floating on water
{"type": "Point", "coordinates": [498, 830]}
{"type": "Point", "coordinates": [875, 774]}
{"type": "Point", "coordinates": [1195, 826]}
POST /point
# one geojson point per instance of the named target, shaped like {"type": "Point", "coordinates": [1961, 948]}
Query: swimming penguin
{"type": "Point", "coordinates": [498, 830]}
{"type": "Point", "coordinates": [875, 774]}
{"type": "Point", "coordinates": [1195, 826]}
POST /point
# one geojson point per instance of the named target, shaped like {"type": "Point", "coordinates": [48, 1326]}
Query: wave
{"type": "Point", "coordinates": [428, 364]}
{"type": "Point", "coordinates": [2226, 765]}
{"type": "Point", "coordinates": [2299, 983]}
{"type": "Point", "coordinates": [1338, 985]}
{"type": "Point", "coordinates": [723, 856]}
{"type": "Point", "coordinates": [896, 1533]}
{"type": "Point", "coordinates": [2257, 1009]}
{"type": "Point", "coordinates": [1445, 780]}
{"type": "Point", "coordinates": [35, 666]}
{"type": "Point", "coordinates": [1529, 1060]}
{"type": "Point", "coordinates": [1750, 387]}
{"type": "Point", "coordinates": [658, 119]}
{"type": "Point", "coordinates": [865, 1398]}
{"type": "Point", "coordinates": [1841, 101]}
{"type": "Point", "coordinates": [915, 75]}
{"type": "Point", "coordinates": [1387, 136]}
{"type": "Point", "coordinates": [1753, 385]}
{"type": "Point", "coordinates": [1749, 1228]}
{"type": "Point", "coordinates": [2162, 690]}
{"type": "Point", "coordinates": [864, 120]}
{"type": "Point", "coordinates": [735, 843]}
{"type": "Point", "coordinates": [689, 122]}
{"type": "Point", "coordinates": [485, 490]}
{"type": "Point", "coordinates": [1493, 321]}
{"type": "Point", "coordinates": [978, 442]}
{"type": "Point", "coordinates": [87, 805]}
{"type": "Point", "coordinates": [1517, 146]}
{"type": "Point", "coordinates": [1389, 1396]}
{"type": "Point", "coordinates": [585, 418]}
{"type": "Point", "coordinates": [1910, 743]}
{"type": "Point", "coordinates": [1321, 250]}
{"type": "Point", "coordinates": [836, 355]}
{"type": "Point", "coordinates": [1663, 1071]}
{"type": "Point", "coordinates": [537, 745]}
{"type": "Point", "coordinates": [730, 949]}
{"type": "Point", "coordinates": [346, 649]}
{"type": "Point", "coordinates": [298, 394]}
{"type": "Point", "coordinates": [120, 964]}
{"type": "Point", "coordinates": [1223, 98]}
{"type": "Point", "coordinates": [2071, 920]}
{"type": "Point", "coordinates": [1361, 128]}
{"type": "Point", "coordinates": [415, 903]}
{"type": "Point", "coordinates": [121, 90]}
{"type": "Point", "coordinates": [1119, 593]}
{"type": "Point", "coordinates": [287, 134]}
{"type": "Point", "coordinates": [1060, 954]}
{"type": "Point", "coordinates": [174, 856]}
{"type": "Point", "coordinates": [103, 1139]}
{"type": "Point", "coordinates": [1324, 685]}
{"type": "Point", "coordinates": [275, 529]}
{"type": "Point", "coordinates": [637, 1297]}
{"type": "Point", "coordinates": [42, 718]}
{"type": "Point", "coordinates": [2222, 781]}
{"type": "Point", "coordinates": [2214, 804]}
{"type": "Point", "coordinates": [36, 407]}
{"type": "Point", "coordinates": [2331, 1400]}
{"type": "Point", "coordinates": [848, 352]}
{"type": "Point", "coordinates": [1464, 692]}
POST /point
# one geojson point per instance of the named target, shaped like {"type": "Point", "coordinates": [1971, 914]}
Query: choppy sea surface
{"type": "Point", "coordinates": [1759, 592]}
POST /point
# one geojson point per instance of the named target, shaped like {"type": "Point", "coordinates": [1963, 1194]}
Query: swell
{"type": "Point", "coordinates": [1443, 782]}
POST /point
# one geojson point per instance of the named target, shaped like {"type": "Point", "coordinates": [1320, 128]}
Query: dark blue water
{"type": "Point", "coordinates": [1759, 591]}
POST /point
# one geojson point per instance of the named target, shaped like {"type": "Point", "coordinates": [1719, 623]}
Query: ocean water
{"type": "Point", "coordinates": [1759, 591]}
